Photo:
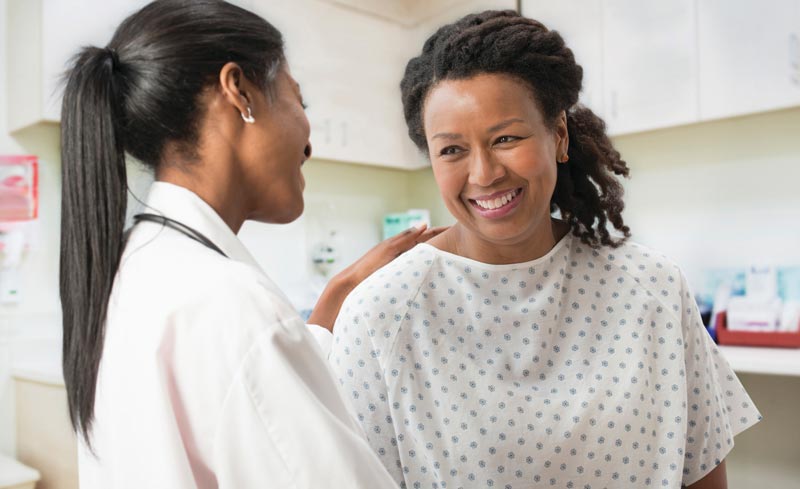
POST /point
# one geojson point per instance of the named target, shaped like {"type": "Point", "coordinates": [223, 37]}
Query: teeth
{"type": "Point", "coordinates": [498, 202]}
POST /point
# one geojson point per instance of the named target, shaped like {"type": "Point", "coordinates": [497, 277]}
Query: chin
{"type": "Point", "coordinates": [291, 216]}
{"type": "Point", "coordinates": [281, 215]}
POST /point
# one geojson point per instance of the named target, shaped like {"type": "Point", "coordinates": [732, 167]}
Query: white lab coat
{"type": "Point", "coordinates": [209, 379]}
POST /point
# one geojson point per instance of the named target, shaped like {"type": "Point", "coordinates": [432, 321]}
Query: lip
{"type": "Point", "coordinates": [501, 211]}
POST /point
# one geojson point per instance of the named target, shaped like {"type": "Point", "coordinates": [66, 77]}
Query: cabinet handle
{"type": "Point", "coordinates": [794, 57]}
{"type": "Point", "coordinates": [614, 104]}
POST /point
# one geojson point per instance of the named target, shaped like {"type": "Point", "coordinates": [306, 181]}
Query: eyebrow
{"type": "Point", "coordinates": [446, 135]}
{"type": "Point", "coordinates": [504, 124]}
{"type": "Point", "coordinates": [497, 127]}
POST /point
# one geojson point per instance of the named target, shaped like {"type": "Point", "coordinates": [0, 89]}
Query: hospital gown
{"type": "Point", "coordinates": [581, 369]}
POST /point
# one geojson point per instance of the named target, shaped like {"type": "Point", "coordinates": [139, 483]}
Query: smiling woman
{"type": "Point", "coordinates": [518, 349]}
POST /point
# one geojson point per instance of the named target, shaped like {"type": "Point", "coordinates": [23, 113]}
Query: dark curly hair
{"type": "Point", "coordinates": [587, 192]}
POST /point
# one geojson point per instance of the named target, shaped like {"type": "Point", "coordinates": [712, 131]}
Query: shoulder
{"type": "Point", "coordinates": [645, 266]}
{"type": "Point", "coordinates": [183, 279]}
{"type": "Point", "coordinates": [380, 303]}
{"type": "Point", "coordinates": [635, 266]}
{"type": "Point", "coordinates": [401, 278]}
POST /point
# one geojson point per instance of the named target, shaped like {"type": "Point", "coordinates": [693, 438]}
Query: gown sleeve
{"type": "Point", "coordinates": [717, 406]}
{"type": "Point", "coordinates": [360, 339]}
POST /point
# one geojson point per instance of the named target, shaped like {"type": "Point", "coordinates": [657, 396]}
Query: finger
{"type": "Point", "coordinates": [430, 233]}
{"type": "Point", "coordinates": [411, 233]}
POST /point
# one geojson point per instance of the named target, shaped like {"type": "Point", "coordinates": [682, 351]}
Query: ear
{"type": "Point", "coordinates": [562, 137]}
{"type": "Point", "coordinates": [235, 87]}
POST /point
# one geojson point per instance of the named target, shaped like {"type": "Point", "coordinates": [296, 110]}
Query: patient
{"type": "Point", "coordinates": [518, 349]}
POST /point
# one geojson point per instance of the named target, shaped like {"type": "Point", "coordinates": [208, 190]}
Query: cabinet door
{"type": "Point", "coordinates": [349, 66]}
{"type": "Point", "coordinates": [650, 67]}
{"type": "Point", "coordinates": [67, 26]}
{"type": "Point", "coordinates": [749, 56]}
{"type": "Point", "coordinates": [580, 23]}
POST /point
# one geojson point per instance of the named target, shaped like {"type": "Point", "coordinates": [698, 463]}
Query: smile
{"type": "Point", "coordinates": [497, 205]}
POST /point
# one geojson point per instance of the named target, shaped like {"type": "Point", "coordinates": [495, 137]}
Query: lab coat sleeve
{"type": "Point", "coordinates": [322, 336]}
{"type": "Point", "coordinates": [284, 423]}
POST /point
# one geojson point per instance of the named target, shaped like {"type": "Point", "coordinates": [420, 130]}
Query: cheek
{"type": "Point", "coordinates": [449, 180]}
{"type": "Point", "coordinates": [534, 166]}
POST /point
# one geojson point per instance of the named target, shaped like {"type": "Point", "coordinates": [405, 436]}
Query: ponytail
{"type": "Point", "coordinates": [587, 192]}
{"type": "Point", "coordinates": [93, 205]}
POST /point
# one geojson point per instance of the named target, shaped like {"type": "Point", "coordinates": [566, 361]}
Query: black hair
{"type": "Point", "coordinates": [587, 192]}
{"type": "Point", "coordinates": [135, 96]}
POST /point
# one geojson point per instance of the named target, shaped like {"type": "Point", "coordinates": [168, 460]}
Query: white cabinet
{"type": "Point", "coordinates": [580, 24]}
{"type": "Point", "coordinates": [650, 68]}
{"type": "Point", "coordinates": [639, 58]}
{"type": "Point", "coordinates": [749, 56]}
{"type": "Point", "coordinates": [43, 35]}
{"type": "Point", "coordinates": [349, 66]}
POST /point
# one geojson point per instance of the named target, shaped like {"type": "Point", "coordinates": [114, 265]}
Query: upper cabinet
{"type": "Point", "coordinates": [650, 68]}
{"type": "Point", "coordinates": [43, 35]}
{"type": "Point", "coordinates": [349, 64]}
{"type": "Point", "coordinates": [662, 64]}
{"type": "Point", "coordinates": [646, 65]}
{"type": "Point", "coordinates": [348, 61]}
{"type": "Point", "coordinates": [749, 56]}
{"type": "Point", "coordinates": [579, 22]}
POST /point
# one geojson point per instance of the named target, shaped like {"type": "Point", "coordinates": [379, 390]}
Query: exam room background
{"type": "Point", "coordinates": [721, 193]}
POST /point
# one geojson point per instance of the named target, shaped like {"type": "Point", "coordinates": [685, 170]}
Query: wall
{"type": "Point", "coordinates": [718, 194]}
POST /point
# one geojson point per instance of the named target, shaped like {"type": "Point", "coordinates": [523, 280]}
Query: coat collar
{"type": "Point", "coordinates": [183, 205]}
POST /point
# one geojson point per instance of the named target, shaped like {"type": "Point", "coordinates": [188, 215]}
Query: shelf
{"type": "Point", "coordinates": [756, 360]}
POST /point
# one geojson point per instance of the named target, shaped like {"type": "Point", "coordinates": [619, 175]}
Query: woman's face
{"type": "Point", "coordinates": [493, 157]}
{"type": "Point", "coordinates": [274, 151]}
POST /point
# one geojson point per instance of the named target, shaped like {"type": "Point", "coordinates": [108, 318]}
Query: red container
{"type": "Point", "coordinates": [779, 339]}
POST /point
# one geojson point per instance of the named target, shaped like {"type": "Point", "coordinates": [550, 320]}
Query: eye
{"type": "Point", "coordinates": [506, 139]}
{"type": "Point", "coordinates": [449, 151]}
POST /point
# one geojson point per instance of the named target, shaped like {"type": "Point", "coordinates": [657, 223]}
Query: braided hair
{"type": "Point", "coordinates": [587, 192]}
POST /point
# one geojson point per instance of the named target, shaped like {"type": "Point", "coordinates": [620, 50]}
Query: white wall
{"type": "Point", "coordinates": [718, 194]}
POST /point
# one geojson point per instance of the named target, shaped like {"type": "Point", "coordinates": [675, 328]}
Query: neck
{"type": "Point", "coordinates": [467, 244]}
{"type": "Point", "coordinates": [216, 189]}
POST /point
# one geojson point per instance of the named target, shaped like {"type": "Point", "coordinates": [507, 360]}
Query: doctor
{"type": "Point", "coordinates": [185, 366]}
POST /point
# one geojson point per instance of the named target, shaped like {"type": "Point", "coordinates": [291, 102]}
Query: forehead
{"type": "Point", "coordinates": [479, 98]}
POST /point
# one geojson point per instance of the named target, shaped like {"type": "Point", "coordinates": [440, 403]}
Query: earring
{"type": "Point", "coordinates": [249, 117]}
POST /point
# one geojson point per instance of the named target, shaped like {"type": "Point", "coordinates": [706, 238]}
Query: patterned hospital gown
{"type": "Point", "coordinates": [581, 369]}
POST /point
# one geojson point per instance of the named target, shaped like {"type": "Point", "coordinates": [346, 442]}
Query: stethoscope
{"type": "Point", "coordinates": [180, 227]}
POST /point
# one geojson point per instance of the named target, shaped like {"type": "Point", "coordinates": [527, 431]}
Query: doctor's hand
{"type": "Point", "coordinates": [329, 303]}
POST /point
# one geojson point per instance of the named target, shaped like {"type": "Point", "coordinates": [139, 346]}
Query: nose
{"type": "Point", "coordinates": [484, 169]}
{"type": "Point", "coordinates": [307, 150]}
